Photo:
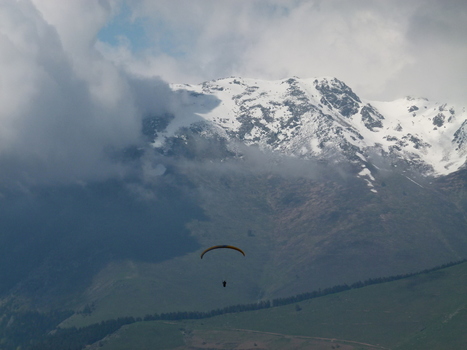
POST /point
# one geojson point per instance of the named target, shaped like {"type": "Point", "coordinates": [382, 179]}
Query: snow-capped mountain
{"type": "Point", "coordinates": [322, 117]}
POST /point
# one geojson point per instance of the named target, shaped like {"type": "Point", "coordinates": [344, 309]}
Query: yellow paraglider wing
{"type": "Point", "coordinates": [222, 246]}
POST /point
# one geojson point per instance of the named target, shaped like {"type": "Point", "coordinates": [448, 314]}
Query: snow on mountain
{"type": "Point", "coordinates": [323, 118]}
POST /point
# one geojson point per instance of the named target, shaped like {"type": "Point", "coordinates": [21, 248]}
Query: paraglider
{"type": "Point", "coordinates": [224, 283]}
{"type": "Point", "coordinates": [222, 246]}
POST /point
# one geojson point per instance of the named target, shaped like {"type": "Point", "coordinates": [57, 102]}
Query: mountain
{"type": "Point", "coordinates": [318, 186]}
{"type": "Point", "coordinates": [323, 118]}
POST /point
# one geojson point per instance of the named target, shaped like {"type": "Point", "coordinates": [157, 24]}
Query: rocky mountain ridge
{"type": "Point", "coordinates": [321, 118]}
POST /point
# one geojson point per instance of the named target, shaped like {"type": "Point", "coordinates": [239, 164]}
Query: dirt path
{"type": "Point", "coordinates": [317, 338]}
{"type": "Point", "coordinates": [247, 339]}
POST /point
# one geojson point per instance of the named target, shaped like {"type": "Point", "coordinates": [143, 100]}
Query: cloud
{"type": "Point", "coordinates": [65, 109]}
{"type": "Point", "coordinates": [436, 35]}
{"type": "Point", "coordinates": [383, 49]}
{"type": "Point", "coordinates": [68, 100]}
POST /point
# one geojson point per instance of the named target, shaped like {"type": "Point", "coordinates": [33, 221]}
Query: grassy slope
{"type": "Point", "coordinates": [130, 337]}
{"type": "Point", "coordinates": [143, 336]}
{"type": "Point", "coordinates": [427, 311]}
{"type": "Point", "coordinates": [187, 282]}
{"type": "Point", "coordinates": [299, 235]}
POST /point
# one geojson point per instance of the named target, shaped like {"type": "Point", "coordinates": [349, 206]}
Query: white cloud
{"type": "Point", "coordinates": [64, 103]}
{"type": "Point", "coordinates": [360, 46]}
{"type": "Point", "coordinates": [63, 107]}
{"type": "Point", "coordinates": [383, 49]}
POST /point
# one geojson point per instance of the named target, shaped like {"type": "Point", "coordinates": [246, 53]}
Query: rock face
{"type": "Point", "coordinates": [320, 118]}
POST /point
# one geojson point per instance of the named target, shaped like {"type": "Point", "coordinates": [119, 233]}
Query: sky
{"type": "Point", "coordinates": [384, 49]}
{"type": "Point", "coordinates": [76, 77]}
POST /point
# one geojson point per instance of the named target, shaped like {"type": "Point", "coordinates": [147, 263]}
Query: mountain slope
{"type": "Point", "coordinates": [301, 175]}
{"type": "Point", "coordinates": [299, 234]}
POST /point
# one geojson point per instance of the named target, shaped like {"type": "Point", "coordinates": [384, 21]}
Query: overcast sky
{"type": "Point", "coordinates": [383, 49]}
{"type": "Point", "coordinates": [76, 76]}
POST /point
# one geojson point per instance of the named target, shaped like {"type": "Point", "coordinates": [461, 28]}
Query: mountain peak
{"type": "Point", "coordinates": [336, 94]}
{"type": "Point", "coordinates": [323, 117]}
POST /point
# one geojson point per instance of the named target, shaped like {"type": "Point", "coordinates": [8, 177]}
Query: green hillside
{"type": "Point", "coordinates": [126, 256]}
{"type": "Point", "coordinates": [426, 311]}
{"type": "Point", "coordinates": [299, 234]}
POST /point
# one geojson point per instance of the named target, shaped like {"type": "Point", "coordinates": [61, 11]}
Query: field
{"type": "Point", "coordinates": [392, 315]}
{"type": "Point", "coordinates": [130, 337]}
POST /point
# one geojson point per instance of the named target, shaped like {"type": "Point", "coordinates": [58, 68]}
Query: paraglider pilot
{"type": "Point", "coordinates": [224, 283]}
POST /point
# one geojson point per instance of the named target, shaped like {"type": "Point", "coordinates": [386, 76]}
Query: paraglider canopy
{"type": "Point", "coordinates": [222, 246]}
